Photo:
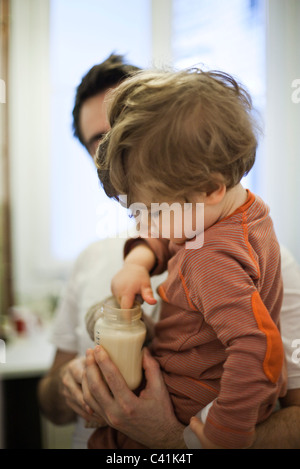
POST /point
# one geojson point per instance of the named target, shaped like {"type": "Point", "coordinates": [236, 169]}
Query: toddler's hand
{"type": "Point", "coordinates": [198, 428]}
{"type": "Point", "coordinates": [130, 281]}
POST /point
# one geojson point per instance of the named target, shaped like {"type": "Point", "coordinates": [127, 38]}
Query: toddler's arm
{"type": "Point", "coordinates": [134, 278]}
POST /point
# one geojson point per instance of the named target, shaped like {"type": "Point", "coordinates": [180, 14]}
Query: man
{"type": "Point", "coordinates": [90, 278]}
{"type": "Point", "coordinates": [149, 418]}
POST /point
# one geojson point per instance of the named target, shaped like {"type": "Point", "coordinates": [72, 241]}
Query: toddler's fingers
{"type": "Point", "coordinates": [126, 301]}
{"type": "Point", "coordinates": [196, 426]}
{"type": "Point", "coordinates": [147, 295]}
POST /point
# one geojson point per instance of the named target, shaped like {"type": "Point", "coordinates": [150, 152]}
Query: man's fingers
{"type": "Point", "coordinates": [73, 392]}
{"type": "Point", "coordinates": [71, 389]}
{"type": "Point", "coordinates": [153, 374]}
{"type": "Point", "coordinates": [93, 385]}
{"type": "Point", "coordinates": [79, 410]}
{"type": "Point", "coordinates": [112, 375]}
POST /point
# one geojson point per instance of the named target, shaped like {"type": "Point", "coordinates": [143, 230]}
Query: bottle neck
{"type": "Point", "coordinates": [120, 320]}
{"type": "Point", "coordinates": [114, 314]}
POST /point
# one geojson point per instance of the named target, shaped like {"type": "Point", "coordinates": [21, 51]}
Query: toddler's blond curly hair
{"type": "Point", "coordinates": [176, 133]}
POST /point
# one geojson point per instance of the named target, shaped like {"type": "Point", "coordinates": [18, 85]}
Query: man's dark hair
{"type": "Point", "coordinates": [99, 78]}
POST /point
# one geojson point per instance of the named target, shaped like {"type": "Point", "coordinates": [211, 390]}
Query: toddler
{"type": "Point", "coordinates": [181, 142]}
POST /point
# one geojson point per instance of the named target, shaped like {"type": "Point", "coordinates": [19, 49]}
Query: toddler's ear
{"type": "Point", "coordinates": [216, 196]}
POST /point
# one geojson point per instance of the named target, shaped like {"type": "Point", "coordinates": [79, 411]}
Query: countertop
{"type": "Point", "coordinates": [27, 355]}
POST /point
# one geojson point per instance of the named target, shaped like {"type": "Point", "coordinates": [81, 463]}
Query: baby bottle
{"type": "Point", "coordinates": [122, 333]}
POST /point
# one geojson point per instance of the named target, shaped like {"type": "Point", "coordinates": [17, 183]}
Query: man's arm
{"type": "Point", "coordinates": [282, 429]}
{"type": "Point", "coordinates": [52, 402]}
{"type": "Point", "coordinates": [60, 391]}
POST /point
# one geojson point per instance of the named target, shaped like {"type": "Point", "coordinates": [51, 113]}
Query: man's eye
{"type": "Point", "coordinates": [99, 137]}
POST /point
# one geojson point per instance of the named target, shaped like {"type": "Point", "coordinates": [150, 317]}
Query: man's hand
{"type": "Point", "coordinates": [148, 418]}
{"type": "Point", "coordinates": [70, 387]}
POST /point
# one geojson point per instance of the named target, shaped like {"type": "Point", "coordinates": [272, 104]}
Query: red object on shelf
{"type": "Point", "coordinates": [20, 326]}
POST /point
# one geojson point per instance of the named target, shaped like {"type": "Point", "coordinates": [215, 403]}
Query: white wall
{"type": "Point", "coordinates": [282, 143]}
{"type": "Point", "coordinates": [28, 102]}
{"type": "Point", "coordinates": [161, 32]}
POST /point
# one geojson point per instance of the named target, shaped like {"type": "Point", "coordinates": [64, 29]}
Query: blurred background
{"type": "Point", "coordinates": [51, 206]}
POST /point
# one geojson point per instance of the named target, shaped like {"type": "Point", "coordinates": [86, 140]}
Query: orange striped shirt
{"type": "Point", "coordinates": [218, 333]}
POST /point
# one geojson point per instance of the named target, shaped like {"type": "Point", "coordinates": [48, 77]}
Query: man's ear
{"type": "Point", "coordinates": [216, 196]}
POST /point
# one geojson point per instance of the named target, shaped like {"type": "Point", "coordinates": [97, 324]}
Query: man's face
{"type": "Point", "coordinates": [93, 121]}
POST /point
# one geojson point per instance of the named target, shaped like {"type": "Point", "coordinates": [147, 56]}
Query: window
{"type": "Point", "coordinates": [83, 33]}
{"type": "Point", "coordinates": [227, 36]}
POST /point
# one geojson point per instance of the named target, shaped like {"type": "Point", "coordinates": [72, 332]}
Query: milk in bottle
{"type": "Point", "coordinates": [122, 333]}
